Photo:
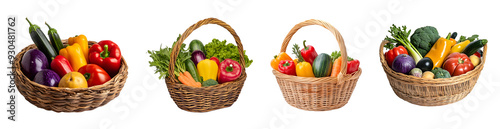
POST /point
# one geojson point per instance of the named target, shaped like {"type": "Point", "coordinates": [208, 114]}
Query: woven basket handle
{"type": "Point", "coordinates": [175, 50]}
{"type": "Point", "coordinates": [335, 32]}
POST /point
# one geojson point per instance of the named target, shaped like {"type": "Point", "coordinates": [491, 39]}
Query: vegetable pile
{"type": "Point", "coordinates": [200, 65]}
{"type": "Point", "coordinates": [71, 66]}
{"type": "Point", "coordinates": [309, 64]}
{"type": "Point", "coordinates": [427, 55]}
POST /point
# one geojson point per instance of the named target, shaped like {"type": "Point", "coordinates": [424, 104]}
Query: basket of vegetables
{"type": "Point", "coordinates": [203, 78]}
{"type": "Point", "coordinates": [71, 78]}
{"type": "Point", "coordinates": [429, 70]}
{"type": "Point", "coordinates": [316, 82]}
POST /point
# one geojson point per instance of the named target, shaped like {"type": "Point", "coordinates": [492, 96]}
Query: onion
{"type": "Point", "coordinates": [403, 63]}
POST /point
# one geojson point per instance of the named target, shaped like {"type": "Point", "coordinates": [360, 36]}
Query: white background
{"type": "Point", "coordinates": [262, 25]}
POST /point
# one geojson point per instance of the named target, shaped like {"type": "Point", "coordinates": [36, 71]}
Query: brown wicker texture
{"type": "Point", "coordinates": [68, 99]}
{"type": "Point", "coordinates": [431, 92]}
{"type": "Point", "coordinates": [318, 94]}
{"type": "Point", "coordinates": [204, 99]}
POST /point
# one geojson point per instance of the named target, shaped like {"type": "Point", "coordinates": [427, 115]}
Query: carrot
{"type": "Point", "coordinates": [337, 64]}
{"type": "Point", "coordinates": [190, 80]}
{"type": "Point", "coordinates": [183, 79]}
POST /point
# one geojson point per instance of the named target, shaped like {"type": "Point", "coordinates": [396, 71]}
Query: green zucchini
{"type": "Point", "coordinates": [191, 68]}
{"type": "Point", "coordinates": [197, 45]}
{"type": "Point", "coordinates": [41, 41]}
{"type": "Point", "coordinates": [472, 47]}
{"type": "Point", "coordinates": [322, 65]}
{"type": "Point", "coordinates": [55, 40]}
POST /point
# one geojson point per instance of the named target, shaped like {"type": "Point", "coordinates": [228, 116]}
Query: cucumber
{"type": "Point", "coordinates": [191, 68]}
{"type": "Point", "coordinates": [472, 47]}
{"type": "Point", "coordinates": [41, 41]}
{"type": "Point", "coordinates": [54, 38]}
{"type": "Point", "coordinates": [196, 45]}
{"type": "Point", "coordinates": [322, 65]}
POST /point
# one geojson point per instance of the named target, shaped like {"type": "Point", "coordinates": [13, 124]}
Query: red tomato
{"type": "Point", "coordinates": [457, 64]}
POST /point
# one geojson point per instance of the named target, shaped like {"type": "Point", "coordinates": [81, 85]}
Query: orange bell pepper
{"type": "Point", "coordinates": [84, 44]}
{"type": "Point", "coordinates": [277, 58]}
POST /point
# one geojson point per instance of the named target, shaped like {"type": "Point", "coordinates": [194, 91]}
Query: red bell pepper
{"type": "Point", "coordinates": [352, 66]}
{"type": "Point", "coordinates": [391, 54]}
{"type": "Point", "coordinates": [229, 70]}
{"type": "Point", "coordinates": [308, 53]}
{"type": "Point", "coordinates": [457, 63]}
{"type": "Point", "coordinates": [216, 60]}
{"type": "Point", "coordinates": [287, 67]}
{"type": "Point", "coordinates": [61, 66]}
{"type": "Point", "coordinates": [94, 74]}
{"type": "Point", "coordinates": [107, 55]}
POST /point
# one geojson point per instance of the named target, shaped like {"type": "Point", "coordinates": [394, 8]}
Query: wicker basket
{"type": "Point", "coordinates": [318, 94]}
{"type": "Point", "coordinates": [431, 92]}
{"type": "Point", "coordinates": [68, 99]}
{"type": "Point", "coordinates": [204, 99]}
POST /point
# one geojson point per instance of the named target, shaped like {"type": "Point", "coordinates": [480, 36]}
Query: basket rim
{"type": "Point", "coordinates": [436, 82]}
{"type": "Point", "coordinates": [316, 80]}
{"type": "Point", "coordinates": [123, 68]}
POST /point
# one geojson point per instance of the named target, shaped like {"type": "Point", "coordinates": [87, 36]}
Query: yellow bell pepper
{"type": "Point", "coordinates": [73, 80]}
{"type": "Point", "coordinates": [460, 46]}
{"type": "Point", "coordinates": [276, 61]}
{"type": "Point", "coordinates": [440, 50]}
{"type": "Point", "coordinates": [74, 55]}
{"type": "Point", "coordinates": [84, 44]}
{"type": "Point", "coordinates": [304, 69]}
{"type": "Point", "coordinates": [208, 69]}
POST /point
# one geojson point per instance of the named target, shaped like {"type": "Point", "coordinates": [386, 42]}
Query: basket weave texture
{"type": "Point", "coordinates": [318, 94]}
{"type": "Point", "coordinates": [204, 99]}
{"type": "Point", "coordinates": [431, 92]}
{"type": "Point", "coordinates": [68, 99]}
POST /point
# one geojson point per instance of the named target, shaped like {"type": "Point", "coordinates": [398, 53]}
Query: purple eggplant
{"type": "Point", "coordinates": [197, 56]}
{"type": "Point", "coordinates": [33, 61]}
{"type": "Point", "coordinates": [47, 77]}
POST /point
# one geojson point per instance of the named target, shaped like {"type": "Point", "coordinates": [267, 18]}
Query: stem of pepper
{"type": "Point", "coordinates": [304, 43]}
{"type": "Point", "coordinates": [229, 68]}
{"type": "Point", "coordinates": [286, 64]}
{"type": "Point", "coordinates": [87, 76]}
{"type": "Point", "coordinates": [105, 53]}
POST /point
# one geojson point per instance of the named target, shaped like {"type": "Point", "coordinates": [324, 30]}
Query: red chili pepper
{"type": "Point", "coordinates": [308, 53]}
{"type": "Point", "coordinates": [216, 60]}
{"type": "Point", "coordinates": [391, 54]}
{"type": "Point", "coordinates": [352, 66]}
{"type": "Point", "coordinates": [107, 55]}
{"type": "Point", "coordinates": [229, 70]}
{"type": "Point", "coordinates": [94, 74]}
{"type": "Point", "coordinates": [479, 53]}
{"type": "Point", "coordinates": [287, 67]}
{"type": "Point", "coordinates": [61, 66]}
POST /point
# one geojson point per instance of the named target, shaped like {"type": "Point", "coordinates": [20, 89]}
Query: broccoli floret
{"type": "Point", "coordinates": [424, 38]}
{"type": "Point", "coordinates": [209, 82]}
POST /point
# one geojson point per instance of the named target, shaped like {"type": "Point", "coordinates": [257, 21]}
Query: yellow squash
{"type": "Point", "coordinates": [460, 46]}
{"type": "Point", "coordinates": [440, 50]}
